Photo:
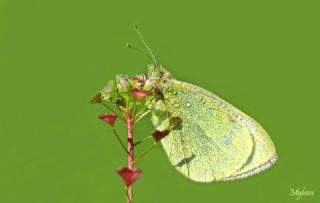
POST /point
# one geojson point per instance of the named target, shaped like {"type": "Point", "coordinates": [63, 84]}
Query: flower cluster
{"type": "Point", "coordinates": [134, 98]}
{"type": "Point", "coordinates": [123, 89]}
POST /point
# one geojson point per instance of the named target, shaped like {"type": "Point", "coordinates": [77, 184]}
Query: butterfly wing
{"type": "Point", "coordinates": [217, 142]}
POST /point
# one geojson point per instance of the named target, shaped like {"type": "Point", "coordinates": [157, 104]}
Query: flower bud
{"type": "Point", "coordinates": [139, 94]}
{"type": "Point", "coordinates": [96, 99]}
{"type": "Point", "coordinates": [122, 82]}
{"type": "Point", "coordinates": [108, 91]}
{"type": "Point", "coordinates": [158, 135]}
{"type": "Point", "coordinates": [109, 118]}
{"type": "Point", "coordinates": [129, 176]}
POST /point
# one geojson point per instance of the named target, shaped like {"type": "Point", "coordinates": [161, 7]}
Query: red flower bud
{"type": "Point", "coordinates": [129, 175]}
{"type": "Point", "coordinates": [139, 94]}
{"type": "Point", "coordinates": [158, 135]}
{"type": "Point", "coordinates": [109, 118]}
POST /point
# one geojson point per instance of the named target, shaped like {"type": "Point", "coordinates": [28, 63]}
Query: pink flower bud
{"type": "Point", "coordinates": [129, 175]}
{"type": "Point", "coordinates": [139, 94]}
{"type": "Point", "coordinates": [109, 118]}
{"type": "Point", "coordinates": [158, 135]}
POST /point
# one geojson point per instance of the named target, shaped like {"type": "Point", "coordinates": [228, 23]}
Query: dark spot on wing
{"type": "Point", "coordinates": [185, 161]}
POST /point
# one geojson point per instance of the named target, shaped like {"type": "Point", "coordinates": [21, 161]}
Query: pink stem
{"type": "Point", "coordinates": [130, 148]}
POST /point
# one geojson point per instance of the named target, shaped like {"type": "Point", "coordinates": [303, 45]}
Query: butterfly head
{"type": "Point", "coordinates": [158, 73]}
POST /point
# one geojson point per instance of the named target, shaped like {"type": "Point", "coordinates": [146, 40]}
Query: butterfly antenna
{"type": "Point", "coordinates": [139, 50]}
{"type": "Point", "coordinates": [145, 44]}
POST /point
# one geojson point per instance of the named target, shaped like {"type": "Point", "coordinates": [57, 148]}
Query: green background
{"type": "Point", "coordinates": [263, 57]}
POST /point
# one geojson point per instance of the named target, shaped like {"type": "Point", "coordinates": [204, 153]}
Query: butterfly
{"type": "Point", "coordinates": [216, 141]}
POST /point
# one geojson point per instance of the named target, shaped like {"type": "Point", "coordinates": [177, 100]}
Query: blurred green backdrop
{"type": "Point", "coordinates": [263, 57]}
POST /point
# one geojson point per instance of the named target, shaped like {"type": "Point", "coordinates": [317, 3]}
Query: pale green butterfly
{"type": "Point", "coordinates": [216, 141]}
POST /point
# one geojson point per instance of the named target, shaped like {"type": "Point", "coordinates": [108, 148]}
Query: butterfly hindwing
{"type": "Point", "coordinates": [217, 142]}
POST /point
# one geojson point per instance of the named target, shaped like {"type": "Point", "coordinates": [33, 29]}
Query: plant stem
{"type": "Point", "coordinates": [130, 149]}
{"type": "Point", "coordinates": [145, 153]}
{"type": "Point", "coordinates": [119, 139]}
{"type": "Point", "coordinates": [142, 140]}
{"type": "Point", "coordinates": [141, 116]}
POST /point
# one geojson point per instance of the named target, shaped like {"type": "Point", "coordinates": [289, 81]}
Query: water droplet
{"type": "Point", "coordinates": [223, 105]}
{"type": "Point", "coordinates": [239, 117]}
{"type": "Point", "coordinates": [203, 101]}
{"type": "Point", "coordinates": [188, 104]}
{"type": "Point", "coordinates": [176, 105]}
